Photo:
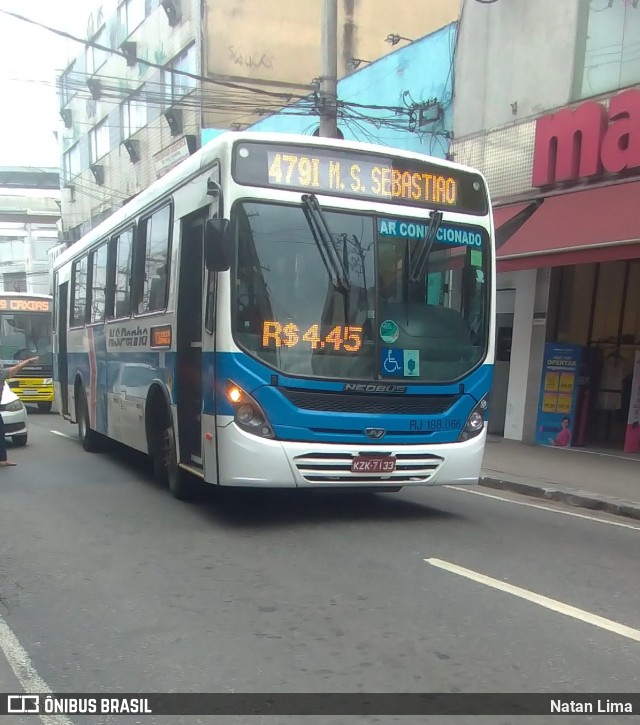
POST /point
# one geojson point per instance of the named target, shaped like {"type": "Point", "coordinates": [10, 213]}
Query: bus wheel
{"type": "Point", "coordinates": [44, 407]}
{"type": "Point", "coordinates": [89, 438]}
{"type": "Point", "coordinates": [180, 482]}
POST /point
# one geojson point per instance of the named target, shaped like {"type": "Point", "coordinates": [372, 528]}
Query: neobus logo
{"type": "Point", "coordinates": [372, 388]}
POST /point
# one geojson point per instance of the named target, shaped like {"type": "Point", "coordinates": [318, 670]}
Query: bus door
{"type": "Point", "coordinates": [189, 341]}
{"type": "Point", "coordinates": [63, 365]}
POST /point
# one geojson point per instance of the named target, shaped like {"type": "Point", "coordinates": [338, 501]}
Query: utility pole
{"type": "Point", "coordinates": [329, 76]}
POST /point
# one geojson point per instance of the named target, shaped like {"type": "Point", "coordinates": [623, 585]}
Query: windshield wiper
{"type": "Point", "coordinates": [420, 261]}
{"type": "Point", "coordinates": [322, 236]}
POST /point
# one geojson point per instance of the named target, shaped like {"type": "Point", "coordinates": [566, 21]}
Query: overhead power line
{"type": "Point", "coordinates": [303, 105]}
{"type": "Point", "coordinates": [105, 48]}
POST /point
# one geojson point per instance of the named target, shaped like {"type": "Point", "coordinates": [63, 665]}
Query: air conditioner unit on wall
{"type": "Point", "coordinates": [66, 116]}
{"type": "Point", "coordinates": [98, 173]}
{"type": "Point", "coordinates": [172, 9]}
{"type": "Point", "coordinates": [174, 118]}
{"type": "Point", "coordinates": [94, 87]}
{"type": "Point", "coordinates": [129, 48]}
{"type": "Point", "coordinates": [133, 149]}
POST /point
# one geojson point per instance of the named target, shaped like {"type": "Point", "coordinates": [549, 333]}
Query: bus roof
{"type": "Point", "coordinates": [207, 155]}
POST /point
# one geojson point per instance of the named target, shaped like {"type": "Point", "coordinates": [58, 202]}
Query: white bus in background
{"type": "Point", "coordinates": [287, 311]}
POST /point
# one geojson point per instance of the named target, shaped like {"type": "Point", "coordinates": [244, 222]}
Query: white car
{"type": "Point", "coordinates": [14, 415]}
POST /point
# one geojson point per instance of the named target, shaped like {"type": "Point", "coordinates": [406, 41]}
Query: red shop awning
{"type": "Point", "coordinates": [596, 225]}
{"type": "Point", "coordinates": [508, 219]}
{"type": "Point", "coordinates": [502, 214]}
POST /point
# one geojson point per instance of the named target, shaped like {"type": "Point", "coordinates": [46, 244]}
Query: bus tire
{"type": "Point", "coordinates": [44, 407]}
{"type": "Point", "coordinates": [89, 438]}
{"type": "Point", "coordinates": [180, 482]}
{"type": "Point", "coordinates": [20, 440]}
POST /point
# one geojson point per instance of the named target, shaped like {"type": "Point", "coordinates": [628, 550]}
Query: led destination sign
{"type": "Point", "coordinates": [355, 174]}
{"type": "Point", "coordinates": [22, 304]}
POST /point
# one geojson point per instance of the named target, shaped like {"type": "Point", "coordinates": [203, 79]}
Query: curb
{"type": "Point", "coordinates": [570, 496]}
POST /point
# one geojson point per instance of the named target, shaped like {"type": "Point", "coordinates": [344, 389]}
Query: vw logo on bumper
{"type": "Point", "coordinates": [375, 433]}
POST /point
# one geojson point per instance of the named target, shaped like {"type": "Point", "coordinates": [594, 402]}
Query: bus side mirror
{"type": "Point", "coordinates": [217, 245]}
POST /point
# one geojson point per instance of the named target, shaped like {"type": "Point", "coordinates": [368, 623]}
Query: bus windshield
{"type": "Point", "coordinates": [384, 323]}
{"type": "Point", "coordinates": [24, 335]}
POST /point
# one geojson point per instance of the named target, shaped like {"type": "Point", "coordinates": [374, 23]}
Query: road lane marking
{"type": "Point", "coordinates": [545, 508]}
{"type": "Point", "coordinates": [552, 604]}
{"type": "Point", "coordinates": [63, 435]}
{"type": "Point", "coordinates": [26, 673]}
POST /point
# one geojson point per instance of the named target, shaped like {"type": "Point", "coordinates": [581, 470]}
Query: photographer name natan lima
{"type": "Point", "coordinates": [586, 706]}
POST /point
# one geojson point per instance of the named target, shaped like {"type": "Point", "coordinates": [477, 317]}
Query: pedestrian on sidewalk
{"type": "Point", "coordinates": [4, 374]}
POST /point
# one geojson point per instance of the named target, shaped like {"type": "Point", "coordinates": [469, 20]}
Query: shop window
{"type": "Point", "coordinates": [608, 52]}
{"type": "Point", "coordinates": [503, 344]}
{"type": "Point", "coordinates": [608, 303]}
{"type": "Point", "coordinates": [571, 303]}
{"type": "Point", "coordinates": [604, 300]}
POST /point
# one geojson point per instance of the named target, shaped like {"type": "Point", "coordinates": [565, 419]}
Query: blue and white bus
{"type": "Point", "coordinates": [287, 311]}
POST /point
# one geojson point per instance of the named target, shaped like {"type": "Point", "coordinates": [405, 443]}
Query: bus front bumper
{"type": "Point", "coordinates": [32, 390]}
{"type": "Point", "coordinates": [246, 460]}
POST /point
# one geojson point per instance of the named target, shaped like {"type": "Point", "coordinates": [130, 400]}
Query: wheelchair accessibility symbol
{"type": "Point", "coordinates": [400, 363]}
{"type": "Point", "coordinates": [392, 362]}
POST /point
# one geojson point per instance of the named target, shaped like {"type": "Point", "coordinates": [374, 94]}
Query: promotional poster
{"type": "Point", "coordinates": [632, 437]}
{"type": "Point", "coordinates": [558, 395]}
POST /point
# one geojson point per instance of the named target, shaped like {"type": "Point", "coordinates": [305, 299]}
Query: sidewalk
{"type": "Point", "coordinates": [593, 480]}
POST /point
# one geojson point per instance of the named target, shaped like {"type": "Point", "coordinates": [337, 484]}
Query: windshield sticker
{"type": "Point", "coordinates": [400, 363]}
{"type": "Point", "coordinates": [389, 331]}
{"type": "Point", "coordinates": [417, 230]}
{"type": "Point", "coordinates": [411, 360]}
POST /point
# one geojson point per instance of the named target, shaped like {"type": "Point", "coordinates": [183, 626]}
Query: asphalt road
{"type": "Point", "coordinates": [111, 585]}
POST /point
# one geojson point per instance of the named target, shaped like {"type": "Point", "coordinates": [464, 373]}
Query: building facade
{"type": "Point", "coordinates": [126, 119]}
{"type": "Point", "coordinates": [389, 101]}
{"type": "Point", "coordinates": [547, 105]}
{"type": "Point", "coordinates": [29, 228]}
{"type": "Point", "coordinates": [130, 113]}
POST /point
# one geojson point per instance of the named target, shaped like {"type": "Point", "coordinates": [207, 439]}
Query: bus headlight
{"type": "Point", "coordinates": [14, 406]}
{"type": "Point", "coordinates": [475, 422]}
{"type": "Point", "coordinates": [248, 415]}
{"type": "Point", "coordinates": [47, 381]}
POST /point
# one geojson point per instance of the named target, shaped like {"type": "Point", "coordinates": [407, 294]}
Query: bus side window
{"type": "Point", "coordinates": [98, 283]}
{"type": "Point", "coordinates": [154, 240]}
{"type": "Point", "coordinates": [79, 292]}
{"type": "Point", "coordinates": [121, 273]}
